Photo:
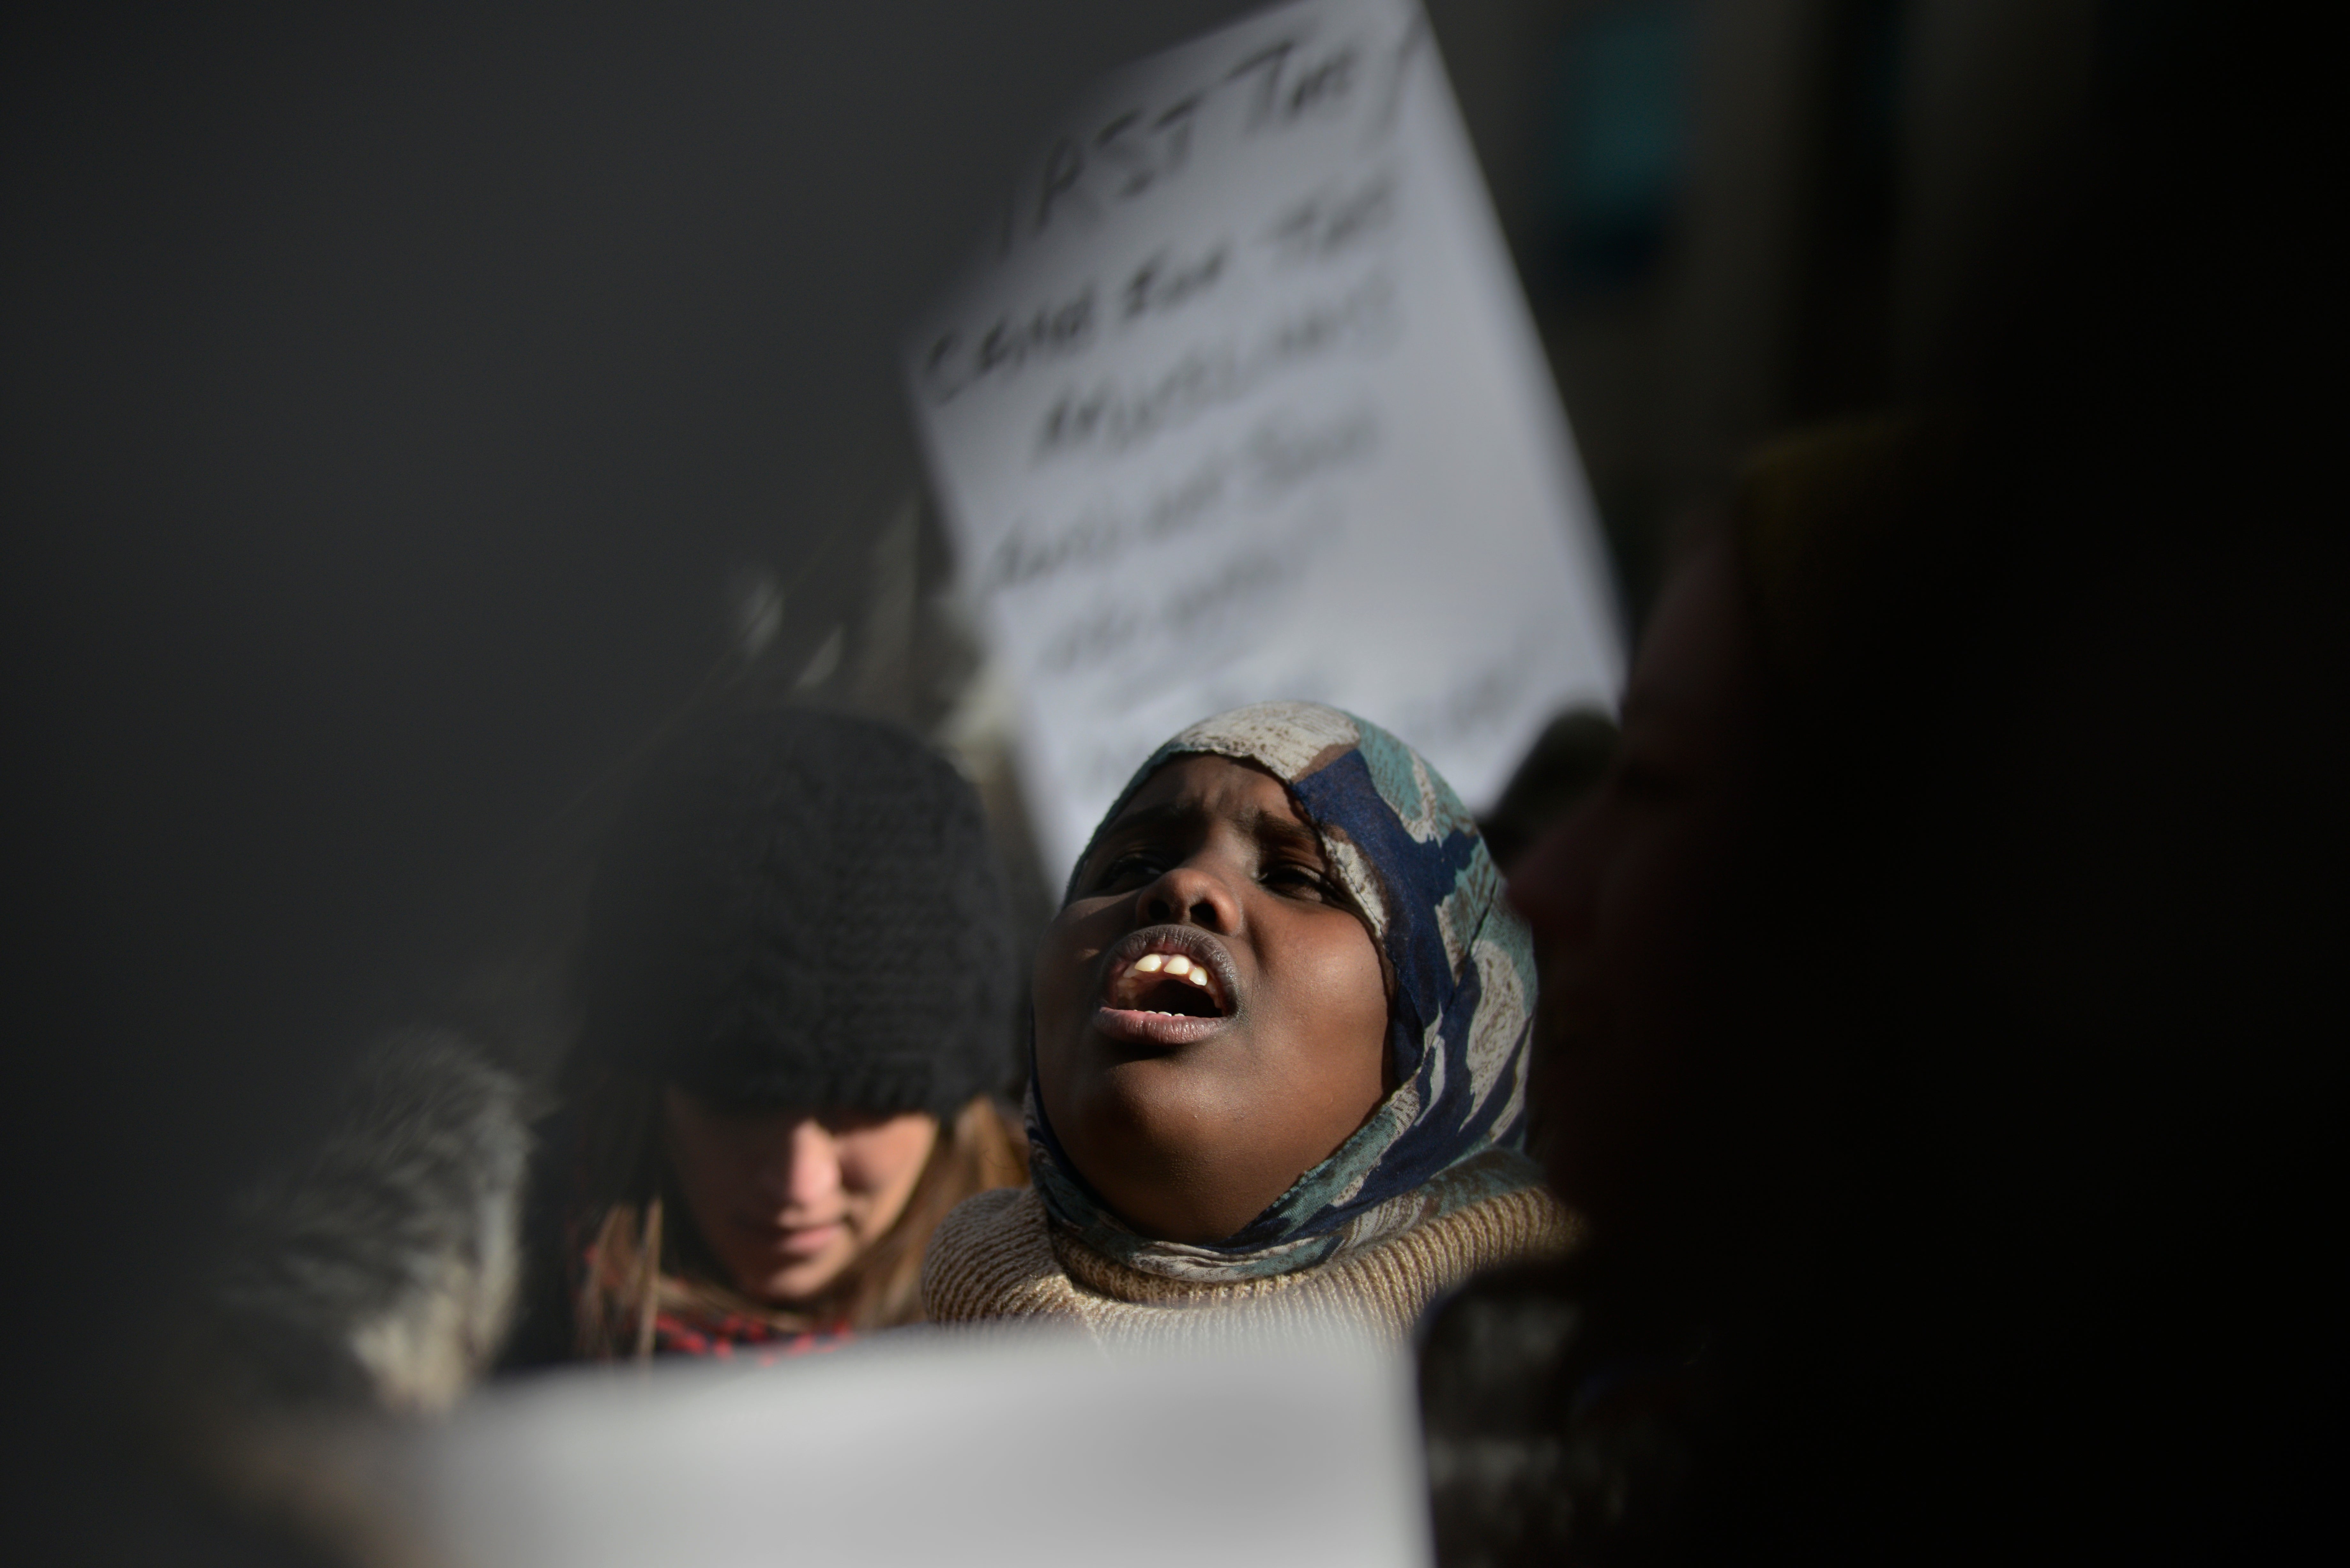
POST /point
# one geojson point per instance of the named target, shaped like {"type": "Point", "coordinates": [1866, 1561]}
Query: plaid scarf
{"type": "Point", "coordinates": [736, 1335]}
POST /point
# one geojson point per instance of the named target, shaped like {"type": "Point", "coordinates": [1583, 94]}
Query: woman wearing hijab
{"type": "Point", "coordinates": [1279, 1054]}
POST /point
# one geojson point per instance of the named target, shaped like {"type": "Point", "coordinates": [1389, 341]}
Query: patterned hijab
{"type": "Point", "coordinates": [1457, 1023]}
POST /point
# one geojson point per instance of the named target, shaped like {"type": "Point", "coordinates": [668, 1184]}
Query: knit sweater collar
{"type": "Point", "coordinates": [998, 1257]}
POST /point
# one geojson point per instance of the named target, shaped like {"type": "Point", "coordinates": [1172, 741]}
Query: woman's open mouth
{"type": "Point", "coordinates": [1166, 987]}
{"type": "Point", "coordinates": [1165, 983]}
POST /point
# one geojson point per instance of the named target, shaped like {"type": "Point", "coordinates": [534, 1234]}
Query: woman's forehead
{"type": "Point", "coordinates": [1200, 783]}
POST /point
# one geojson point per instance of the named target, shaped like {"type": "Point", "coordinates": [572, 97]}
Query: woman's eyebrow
{"type": "Point", "coordinates": [1150, 816]}
{"type": "Point", "coordinates": [1140, 823]}
{"type": "Point", "coordinates": [1283, 833]}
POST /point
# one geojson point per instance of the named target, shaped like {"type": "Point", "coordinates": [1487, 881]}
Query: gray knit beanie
{"type": "Point", "coordinates": [800, 907]}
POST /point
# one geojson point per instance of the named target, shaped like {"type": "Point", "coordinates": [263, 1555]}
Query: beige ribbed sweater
{"type": "Point", "coordinates": [996, 1258]}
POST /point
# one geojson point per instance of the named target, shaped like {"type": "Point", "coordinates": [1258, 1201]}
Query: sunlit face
{"type": "Point", "coordinates": [785, 1199]}
{"type": "Point", "coordinates": [1210, 1016]}
{"type": "Point", "coordinates": [1629, 898]}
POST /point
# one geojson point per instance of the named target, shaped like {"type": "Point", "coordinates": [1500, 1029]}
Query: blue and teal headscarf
{"type": "Point", "coordinates": [1458, 1023]}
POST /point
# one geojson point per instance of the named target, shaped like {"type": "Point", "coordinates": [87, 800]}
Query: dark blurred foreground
{"type": "Point", "coordinates": [1958, 1198]}
{"type": "Point", "coordinates": [393, 400]}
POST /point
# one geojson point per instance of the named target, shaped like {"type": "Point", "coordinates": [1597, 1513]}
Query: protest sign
{"type": "Point", "coordinates": [1025, 1447]}
{"type": "Point", "coordinates": [1243, 402]}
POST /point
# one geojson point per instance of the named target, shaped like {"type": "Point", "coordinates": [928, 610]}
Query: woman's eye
{"type": "Point", "coordinates": [1130, 869]}
{"type": "Point", "coordinates": [1298, 881]}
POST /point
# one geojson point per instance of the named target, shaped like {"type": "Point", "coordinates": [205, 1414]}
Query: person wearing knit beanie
{"type": "Point", "coordinates": [798, 997]}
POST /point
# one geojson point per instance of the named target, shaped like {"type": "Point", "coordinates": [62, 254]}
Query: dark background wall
{"type": "Point", "coordinates": [390, 393]}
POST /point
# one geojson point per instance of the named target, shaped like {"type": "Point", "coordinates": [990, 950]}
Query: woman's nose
{"type": "Point", "coordinates": [805, 1173]}
{"type": "Point", "coordinates": [1191, 895]}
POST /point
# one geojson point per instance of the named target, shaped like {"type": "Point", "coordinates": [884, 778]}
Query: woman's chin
{"type": "Point", "coordinates": [790, 1279]}
{"type": "Point", "coordinates": [795, 1287]}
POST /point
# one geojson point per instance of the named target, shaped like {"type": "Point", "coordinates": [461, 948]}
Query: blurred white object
{"type": "Point", "coordinates": [931, 1449]}
{"type": "Point", "coordinates": [1244, 402]}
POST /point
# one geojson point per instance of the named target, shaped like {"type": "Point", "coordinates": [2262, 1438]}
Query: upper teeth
{"type": "Point", "coordinates": [1173, 964]}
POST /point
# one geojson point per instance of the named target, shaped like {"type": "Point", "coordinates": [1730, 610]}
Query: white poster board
{"type": "Point", "coordinates": [1028, 1450]}
{"type": "Point", "coordinates": [1243, 402]}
